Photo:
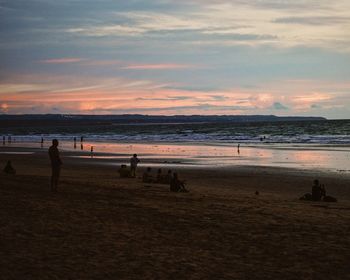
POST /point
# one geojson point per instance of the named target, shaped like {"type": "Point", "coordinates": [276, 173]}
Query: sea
{"type": "Point", "coordinates": [301, 132]}
{"type": "Point", "coordinates": [312, 145]}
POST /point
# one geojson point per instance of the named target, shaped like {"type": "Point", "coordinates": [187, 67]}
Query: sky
{"type": "Point", "coordinates": [172, 57]}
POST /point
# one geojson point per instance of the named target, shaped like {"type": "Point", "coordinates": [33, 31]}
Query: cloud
{"type": "Point", "coordinates": [62, 60]}
{"type": "Point", "coordinates": [279, 106]}
{"type": "Point", "coordinates": [314, 20]}
{"type": "Point", "coordinates": [4, 107]}
{"type": "Point", "coordinates": [168, 98]}
{"type": "Point", "coordinates": [107, 30]}
{"type": "Point", "coordinates": [157, 66]}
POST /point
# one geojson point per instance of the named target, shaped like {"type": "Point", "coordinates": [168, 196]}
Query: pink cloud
{"type": "Point", "coordinates": [62, 60]}
{"type": "Point", "coordinates": [102, 62]}
{"type": "Point", "coordinates": [158, 66]}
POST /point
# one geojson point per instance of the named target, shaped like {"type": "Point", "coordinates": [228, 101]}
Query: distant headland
{"type": "Point", "coordinates": [137, 118]}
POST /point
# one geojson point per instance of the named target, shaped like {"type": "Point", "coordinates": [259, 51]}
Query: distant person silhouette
{"type": "Point", "coordinates": [75, 142]}
{"type": "Point", "coordinates": [55, 164]}
{"type": "Point", "coordinates": [9, 169]}
{"type": "Point", "coordinates": [176, 185]}
{"type": "Point", "coordinates": [81, 139]}
{"type": "Point", "coordinates": [42, 142]}
{"type": "Point", "coordinates": [133, 164]}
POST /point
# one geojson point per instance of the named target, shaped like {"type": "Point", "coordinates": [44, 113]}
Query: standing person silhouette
{"type": "Point", "coordinates": [56, 163]}
{"type": "Point", "coordinates": [133, 164]}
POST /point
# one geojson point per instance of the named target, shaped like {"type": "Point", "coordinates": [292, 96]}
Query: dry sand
{"type": "Point", "coordinates": [100, 226]}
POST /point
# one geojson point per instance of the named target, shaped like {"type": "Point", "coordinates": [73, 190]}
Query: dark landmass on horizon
{"type": "Point", "coordinates": [67, 119]}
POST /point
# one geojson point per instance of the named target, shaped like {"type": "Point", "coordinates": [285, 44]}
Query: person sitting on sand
{"type": "Point", "coordinates": [147, 176]}
{"type": "Point", "coordinates": [176, 185]}
{"type": "Point", "coordinates": [318, 194]}
{"type": "Point", "coordinates": [124, 172]}
{"type": "Point", "coordinates": [133, 164]}
{"type": "Point", "coordinates": [167, 178]}
{"type": "Point", "coordinates": [317, 191]}
{"type": "Point", "coordinates": [9, 169]}
{"type": "Point", "coordinates": [159, 178]}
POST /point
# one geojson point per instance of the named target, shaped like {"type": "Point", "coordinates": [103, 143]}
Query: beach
{"type": "Point", "coordinates": [101, 226]}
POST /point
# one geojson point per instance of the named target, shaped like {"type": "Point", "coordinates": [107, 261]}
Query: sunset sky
{"type": "Point", "coordinates": [167, 57]}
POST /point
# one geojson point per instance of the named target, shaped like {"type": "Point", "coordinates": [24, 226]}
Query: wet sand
{"type": "Point", "coordinates": [100, 226]}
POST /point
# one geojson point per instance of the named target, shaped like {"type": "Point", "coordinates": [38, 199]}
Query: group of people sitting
{"type": "Point", "coordinates": [169, 178]}
{"type": "Point", "coordinates": [318, 193]}
{"type": "Point", "coordinates": [159, 178]}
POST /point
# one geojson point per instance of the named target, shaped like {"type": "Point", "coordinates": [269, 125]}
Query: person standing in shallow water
{"type": "Point", "coordinates": [133, 164]}
{"type": "Point", "coordinates": [56, 163]}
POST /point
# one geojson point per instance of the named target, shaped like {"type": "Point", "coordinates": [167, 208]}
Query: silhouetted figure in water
{"type": "Point", "coordinates": [147, 176]}
{"type": "Point", "coordinates": [55, 164]}
{"type": "Point", "coordinates": [176, 185]}
{"type": "Point", "coordinates": [92, 151]}
{"type": "Point", "coordinates": [9, 169]}
{"type": "Point", "coordinates": [238, 146]}
{"type": "Point", "coordinates": [42, 142]}
{"type": "Point", "coordinates": [75, 142]}
{"type": "Point", "coordinates": [81, 147]}
{"type": "Point", "coordinates": [81, 139]}
{"type": "Point", "coordinates": [133, 164]}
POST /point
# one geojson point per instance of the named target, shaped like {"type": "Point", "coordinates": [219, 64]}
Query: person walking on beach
{"type": "Point", "coordinates": [56, 163]}
{"type": "Point", "coordinates": [133, 164]}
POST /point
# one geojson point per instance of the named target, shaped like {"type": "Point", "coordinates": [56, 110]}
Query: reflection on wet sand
{"type": "Point", "coordinates": [220, 155]}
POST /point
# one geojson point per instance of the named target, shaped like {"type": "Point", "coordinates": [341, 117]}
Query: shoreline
{"type": "Point", "coordinates": [311, 157]}
{"type": "Point", "coordinates": [213, 173]}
